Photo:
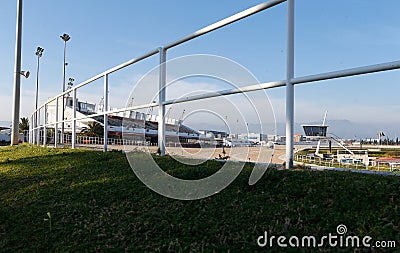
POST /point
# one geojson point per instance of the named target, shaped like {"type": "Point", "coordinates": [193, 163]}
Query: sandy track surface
{"type": "Point", "coordinates": [252, 154]}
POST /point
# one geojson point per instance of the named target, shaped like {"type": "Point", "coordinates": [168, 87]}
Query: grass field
{"type": "Point", "coordinates": [63, 200]}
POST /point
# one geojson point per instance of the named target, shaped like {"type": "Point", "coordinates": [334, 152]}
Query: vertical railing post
{"type": "Point", "coordinates": [289, 85]}
{"type": "Point", "coordinates": [37, 124]}
{"type": "Point", "coordinates": [33, 128]}
{"type": "Point", "coordinates": [44, 126]}
{"type": "Point", "coordinates": [30, 130]}
{"type": "Point", "coordinates": [63, 107]}
{"type": "Point", "coordinates": [32, 138]}
{"type": "Point", "coordinates": [161, 99]}
{"type": "Point", "coordinates": [56, 125]}
{"type": "Point", "coordinates": [105, 109]}
{"type": "Point", "coordinates": [73, 140]}
{"type": "Point", "coordinates": [37, 128]}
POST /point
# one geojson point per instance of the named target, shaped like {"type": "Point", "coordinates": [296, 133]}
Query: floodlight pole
{"type": "Point", "coordinates": [290, 86]}
{"type": "Point", "coordinates": [63, 98]}
{"type": "Point", "coordinates": [17, 78]}
{"type": "Point", "coordinates": [39, 53]}
{"type": "Point", "coordinates": [65, 37]}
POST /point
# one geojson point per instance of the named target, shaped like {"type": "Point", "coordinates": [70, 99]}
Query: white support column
{"type": "Point", "coordinates": [56, 126]}
{"type": "Point", "coordinates": [44, 126]}
{"type": "Point", "coordinates": [73, 140]}
{"type": "Point", "coordinates": [161, 99]}
{"type": "Point", "coordinates": [105, 108]}
{"type": "Point", "coordinates": [289, 85]}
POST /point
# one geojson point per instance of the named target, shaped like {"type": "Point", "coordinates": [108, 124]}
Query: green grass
{"type": "Point", "coordinates": [63, 200]}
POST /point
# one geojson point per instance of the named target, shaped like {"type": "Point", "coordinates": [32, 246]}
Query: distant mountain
{"type": "Point", "coordinates": [342, 128]}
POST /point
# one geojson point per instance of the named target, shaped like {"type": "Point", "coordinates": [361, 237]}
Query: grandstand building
{"type": "Point", "coordinates": [131, 125]}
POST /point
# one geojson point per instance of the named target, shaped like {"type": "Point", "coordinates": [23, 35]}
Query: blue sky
{"type": "Point", "coordinates": [330, 35]}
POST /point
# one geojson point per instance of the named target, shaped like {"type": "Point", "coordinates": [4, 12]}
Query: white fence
{"type": "Point", "coordinates": [289, 82]}
{"type": "Point", "coordinates": [91, 140]}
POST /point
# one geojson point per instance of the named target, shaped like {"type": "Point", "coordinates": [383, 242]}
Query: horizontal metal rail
{"type": "Point", "coordinates": [236, 17]}
{"type": "Point", "coordinates": [107, 72]}
{"type": "Point", "coordinates": [132, 108]}
{"type": "Point", "coordinates": [116, 68]}
{"type": "Point", "coordinates": [348, 72]}
{"type": "Point", "coordinates": [298, 80]}
{"type": "Point", "coordinates": [229, 20]}
{"type": "Point", "coordinates": [256, 87]}
{"type": "Point", "coordinates": [52, 124]}
{"type": "Point", "coordinates": [263, 86]}
{"type": "Point", "coordinates": [289, 82]}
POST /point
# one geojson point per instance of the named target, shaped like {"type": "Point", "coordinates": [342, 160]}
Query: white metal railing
{"type": "Point", "coordinates": [289, 82]}
{"type": "Point", "coordinates": [95, 141]}
{"type": "Point", "coordinates": [354, 164]}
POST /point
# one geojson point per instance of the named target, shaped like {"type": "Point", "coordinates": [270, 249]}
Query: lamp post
{"type": "Point", "coordinates": [39, 53]}
{"type": "Point", "coordinates": [17, 78]}
{"type": "Point", "coordinates": [65, 37]}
